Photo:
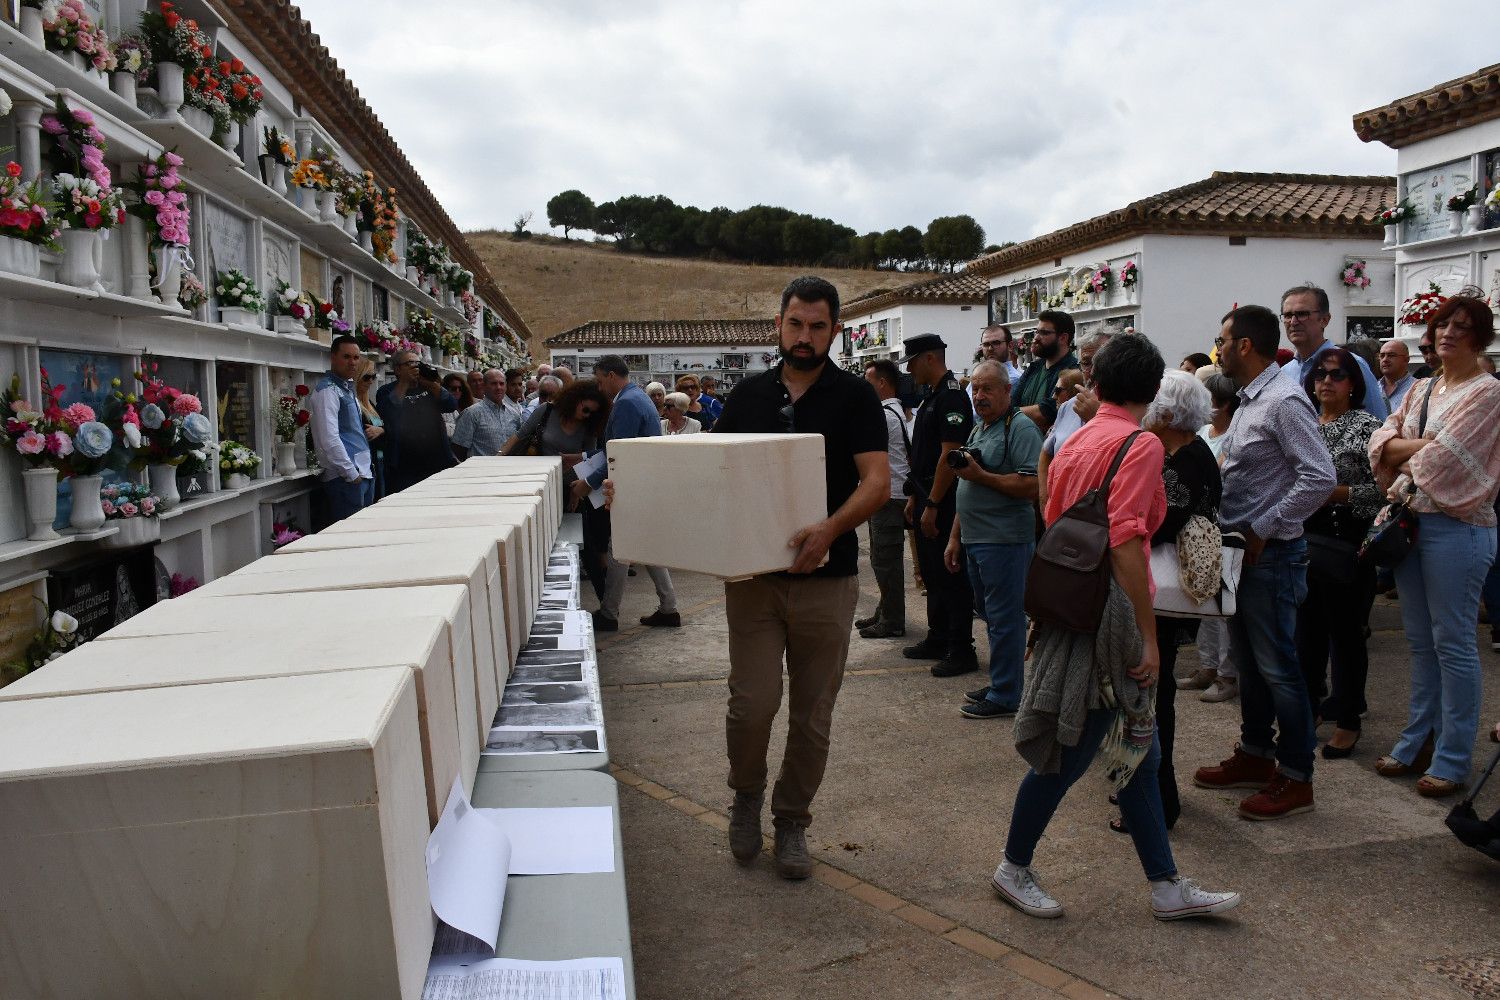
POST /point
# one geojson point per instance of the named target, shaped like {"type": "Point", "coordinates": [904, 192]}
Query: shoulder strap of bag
{"type": "Point", "coordinates": [900, 422]}
{"type": "Point", "coordinates": [1426, 398]}
{"type": "Point", "coordinates": [1114, 466]}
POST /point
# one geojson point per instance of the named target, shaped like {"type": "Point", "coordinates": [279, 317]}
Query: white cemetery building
{"type": "Point", "coordinates": [1171, 265]}
{"type": "Point", "coordinates": [949, 305]}
{"type": "Point", "coordinates": [663, 350]}
{"type": "Point", "coordinates": [338, 215]}
{"type": "Point", "coordinates": [1447, 143]}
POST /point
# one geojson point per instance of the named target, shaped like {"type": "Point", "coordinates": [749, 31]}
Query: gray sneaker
{"type": "Point", "coordinates": [792, 859]}
{"type": "Point", "coordinates": [744, 827]}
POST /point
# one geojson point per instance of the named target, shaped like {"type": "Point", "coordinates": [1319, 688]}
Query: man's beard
{"type": "Point", "coordinates": [803, 363]}
{"type": "Point", "coordinates": [1049, 350]}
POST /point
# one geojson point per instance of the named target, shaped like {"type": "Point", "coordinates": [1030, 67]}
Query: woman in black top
{"type": "Point", "coordinates": [1339, 588]}
{"type": "Point", "coordinates": [1191, 477]}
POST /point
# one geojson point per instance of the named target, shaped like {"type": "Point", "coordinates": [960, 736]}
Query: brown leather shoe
{"type": "Point", "coordinates": [1282, 797]}
{"type": "Point", "coordinates": [1241, 770]}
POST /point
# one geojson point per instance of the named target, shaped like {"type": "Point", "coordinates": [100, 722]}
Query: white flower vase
{"type": "Point", "coordinates": [198, 120]}
{"type": "Point", "coordinates": [235, 316]}
{"type": "Point", "coordinates": [20, 257]}
{"type": "Point", "coordinates": [169, 88]}
{"type": "Point", "coordinates": [122, 83]}
{"type": "Point", "coordinates": [1476, 218]}
{"type": "Point", "coordinates": [328, 207]}
{"type": "Point", "coordinates": [236, 481]}
{"type": "Point", "coordinates": [31, 26]}
{"type": "Point", "coordinates": [168, 275]}
{"type": "Point", "coordinates": [134, 531]}
{"type": "Point", "coordinates": [278, 178]}
{"type": "Point", "coordinates": [87, 514]}
{"type": "Point", "coordinates": [76, 60]}
{"type": "Point", "coordinates": [164, 483]}
{"type": "Point", "coordinates": [82, 264]}
{"type": "Point", "coordinates": [291, 326]}
{"type": "Point", "coordinates": [1130, 294]}
{"type": "Point", "coordinates": [1455, 223]}
{"type": "Point", "coordinates": [413, 275]}
{"type": "Point", "coordinates": [41, 501]}
{"type": "Point", "coordinates": [229, 139]}
{"type": "Point", "coordinates": [367, 241]}
{"type": "Point", "coordinates": [307, 200]}
{"type": "Point", "coordinates": [1392, 235]}
{"type": "Point", "coordinates": [286, 457]}
{"type": "Point", "coordinates": [351, 226]}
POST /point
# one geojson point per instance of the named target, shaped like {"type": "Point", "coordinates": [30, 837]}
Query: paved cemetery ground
{"type": "Point", "coordinates": [1368, 896]}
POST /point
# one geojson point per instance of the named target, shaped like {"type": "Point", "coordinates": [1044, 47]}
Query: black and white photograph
{"type": "Point", "coordinates": [546, 694]}
{"type": "Point", "coordinates": [504, 740]}
{"type": "Point", "coordinates": [548, 715]}
{"type": "Point", "coordinates": [554, 656]}
{"type": "Point", "coordinates": [544, 642]}
{"type": "Point", "coordinates": [547, 673]}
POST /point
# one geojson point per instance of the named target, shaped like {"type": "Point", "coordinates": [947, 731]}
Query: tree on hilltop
{"type": "Point", "coordinates": [953, 239]}
{"type": "Point", "coordinates": [571, 210]}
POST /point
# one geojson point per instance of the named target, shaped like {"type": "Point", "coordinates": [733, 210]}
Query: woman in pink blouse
{"type": "Point", "coordinates": [1454, 467]}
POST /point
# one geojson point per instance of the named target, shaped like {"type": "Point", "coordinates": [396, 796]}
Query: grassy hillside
{"type": "Point", "coordinates": [558, 285]}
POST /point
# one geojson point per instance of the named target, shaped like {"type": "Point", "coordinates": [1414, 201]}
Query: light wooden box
{"type": "Point", "coordinates": [419, 644]}
{"type": "Point", "coordinates": [752, 493]}
{"type": "Point", "coordinates": [340, 613]}
{"type": "Point", "coordinates": [455, 516]}
{"type": "Point", "coordinates": [549, 509]}
{"type": "Point", "coordinates": [552, 474]}
{"type": "Point", "coordinates": [528, 509]}
{"type": "Point", "coordinates": [500, 483]}
{"type": "Point", "coordinates": [258, 838]}
{"type": "Point", "coordinates": [505, 540]}
{"type": "Point", "coordinates": [461, 562]}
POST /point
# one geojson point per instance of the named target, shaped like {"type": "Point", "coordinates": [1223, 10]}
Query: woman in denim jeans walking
{"type": "Point", "coordinates": [1453, 465]}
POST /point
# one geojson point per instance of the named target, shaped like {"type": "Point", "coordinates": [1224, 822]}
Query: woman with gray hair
{"type": "Point", "coordinates": [677, 420]}
{"type": "Point", "coordinates": [658, 394]}
{"type": "Point", "coordinates": [1191, 477]}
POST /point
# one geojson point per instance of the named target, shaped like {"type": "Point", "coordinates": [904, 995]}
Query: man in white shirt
{"type": "Point", "coordinates": [339, 437]}
{"type": "Point", "coordinates": [888, 524]}
{"type": "Point", "coordinates": [995, 345]}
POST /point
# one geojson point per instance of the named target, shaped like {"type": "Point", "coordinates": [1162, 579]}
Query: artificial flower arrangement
{"type": "Point", "coordinates": [68, 28]}
{"type": "Point", "coordinates": [349, 193]}
{"type": "Point", "coordinates": [278, 147]}
{"type": "Point", "coordinates": [31, 433]}
{"type": "Point", "coordinates": [1416, 310]}
{"type": "Point", "coordinates": [325, 317]}
{"type": "Point", "coordinates": [284, 533]}
{"type": "Point", "coordinates": [83, 204]}
{"type": "Point", "coordinates": [58, 634]}
{"type": "Point", "coordinates": [1130, 273]}
{"type": "Point", "coordinates": [470, 304]}
{"type": "Point", "coordinates": [450, 339]}
{"type": "Point", "coordinates": [1402, 211]}
{"type": "Point", "coordinates": [127, 500]}
{"type": "Point", "coordinates": [235, 290]}
{"type": "Point", "coordinates": [180, 585]}
{"type": "Point", "coordinates": [380, 215]}
{"type": "Point", "coordinates": [206, 90]}
{"type": "Point", "coordinates": [243, 90]}
{"type": "Point", "coordinates": [430, 259]}
{"type": "Point", "coordinates": [172, 38]}
{"type": "Point", "coordinates": [287, 301]}
{"type": "Point", "coordinates": [78, 442]}
{"type": "Point", "coordinates": [82, 185]}
{"type": "Point", "coordinates": [235, 457]}
{"type": "Point", "coordinates": [162, 202]}
{"type": "Point", "coordinates": [133, 56]}
{"type": "Point", "coordinates": [1492, 200]}
{"type": "Point", "coordinates": [321, 172]}
{"type": "Point", "coordinates": [471, 347]}
{"type": "Point", "coordinates": [1464, 200]}
{"type": "Point", "coordinates": [25, 212]}
{"type": "Point", "coordinates": [1353, 275]}
{"type": "Point", "coordinates": [290, 414]}
{"type": "Point", "coordinates": [456, 279]}
{"type": "Point", "coordinates": [379, 336]}
{"type": "Point", "coordinates": [1102, 280]}
{"type": "Point", "coordinates": [424, 329]}
{"type": "Point", "coordinates": [173, 427]}
{"type": "Point", "coordinates": [191, 294]}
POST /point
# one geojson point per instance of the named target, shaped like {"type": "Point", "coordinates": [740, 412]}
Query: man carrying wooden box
{"type": "Point", "coordinates": [805, 613]}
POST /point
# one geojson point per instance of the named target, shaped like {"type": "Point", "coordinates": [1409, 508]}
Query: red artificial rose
{"type": "Point", "coordinates": [13, 168]}
{"type": "Point", "coordinates": [171, 19]}
{"type": "Point", "coordinates": [325, 307]}
{"type": "Point", "coordinates": [303, 417]}
{"type": "Point", "coordinates": [239, 67]}
{"type": "Point", "coordinates": [303, 390]}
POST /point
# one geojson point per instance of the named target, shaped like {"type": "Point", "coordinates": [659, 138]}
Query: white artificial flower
{"type": "Point", "coordinates": [132, 436]}
{"type": "Point", "coordinates": [64, 623]}
{"type": "Point", "coordinates": [5, 104]}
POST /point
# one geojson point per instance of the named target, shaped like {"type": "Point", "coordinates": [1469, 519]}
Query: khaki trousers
{"type": "Point", "coordinates": [807, 621]}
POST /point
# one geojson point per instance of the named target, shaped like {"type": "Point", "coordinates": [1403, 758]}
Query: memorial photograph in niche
{"type": "Point", "coordinates": [236, 405]}
{"type": "Point", "coordinates": [84, 378]}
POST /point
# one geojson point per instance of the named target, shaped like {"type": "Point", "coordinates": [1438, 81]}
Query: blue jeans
{"type": "Point", "coordinates": [1262, 640]}
{"type": "Point", "coordinates": [345, 498]}
{"type": "Point", "coordinates": [1439, 582]}
{"type": "Point", "coordinates": [998, 572]}
{"type": "Point", "coordinates": [1140, 802]}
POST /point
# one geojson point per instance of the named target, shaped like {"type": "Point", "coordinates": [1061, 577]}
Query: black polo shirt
{"type": "Point", "coordinates": [840, 406]}
{"type": "Point", "coordinates": [945, 416]}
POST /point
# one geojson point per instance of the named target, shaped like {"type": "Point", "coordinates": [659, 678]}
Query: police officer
{"type": "Point", "coordinates": [942, 423]}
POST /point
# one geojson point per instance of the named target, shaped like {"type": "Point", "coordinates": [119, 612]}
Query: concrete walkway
{"type": "Point", "coordinates": [1369, 896]}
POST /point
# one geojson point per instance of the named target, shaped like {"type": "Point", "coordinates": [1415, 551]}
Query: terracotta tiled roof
{"type": "Point", "coordinates": [1233, 204]}
{"type": "Point", "coordinates": [667, 333]}
{"type": "Point", "coordinates": [963, 288]}
{"type": "Point", "coordinates": [276, 34]}
{"type": "Point", "coordinates": [1445, 108]}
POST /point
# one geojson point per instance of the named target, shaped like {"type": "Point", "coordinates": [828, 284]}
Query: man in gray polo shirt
{"type": "Point", "coordinates": [484, 428]}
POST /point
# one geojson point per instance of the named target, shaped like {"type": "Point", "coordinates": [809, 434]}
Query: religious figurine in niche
{"type": "Point", "coordinates": [338, 296]}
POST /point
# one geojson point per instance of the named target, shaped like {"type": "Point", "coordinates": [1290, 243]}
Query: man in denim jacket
{"type": "Point", "coordinates": [338, 434]}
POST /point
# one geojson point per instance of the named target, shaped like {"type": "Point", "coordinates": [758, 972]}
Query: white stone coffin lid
{"type": "Point", "coordinates": [526, 511]}
{"type": "Point", "coordinates": [549, 513]}
{"type": "Point", "coordinates": [503, 468]}
{"type": "Point", "coordinates": [547, 488]}
{"type": "Point", "coordinates": [466, 561]}
{"type": "Point", "coordinates": [453, 516]}
{"type": "Point", "coordinates": [419, 644]}
{"type": "Point", "coordinates": [339, 613]}
{"type": "Point", "coordinates": [253, 838]}
{"type": "Point", "coordinates": [503, 542]}
{"type": "Point", "coordinates": [771, 485]}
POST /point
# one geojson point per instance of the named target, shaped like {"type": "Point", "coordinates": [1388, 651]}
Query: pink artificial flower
{"type": "Point", "coordinates": [129, 509]}
{"type": "Point", "coordinates": [154, 198]}
{"type": "Point", "coordinates": [130, 416]}
{"type": "Point", "coordinates": [185, 404]}
{"type": "Point", "coordinates": [173, 159]}
{"type": "Point", "coordinates": [52, 126]}
{"type": "Point", "coordinates": [148, 506]}
{"type": "Point", "coordinates": [15, 428]}
{"type": "Point", "coordinates": [81, 116]}
{"type": "Point", "coordinates": [106, 506]}
{"type": "Point", "coordinates": [31, 443]}
{"type": "Point", "coordinates": [78, 414]}
{"type": "Point", "coordinates": [59, 444]}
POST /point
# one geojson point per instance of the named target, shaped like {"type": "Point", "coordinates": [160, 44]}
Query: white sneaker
{"type": "Point", "coordinates": [1018, 887]}
{"type": "Point", "coordinates": [1222, 689]}
{"type": "Point", "coordinates": [1178, 898]}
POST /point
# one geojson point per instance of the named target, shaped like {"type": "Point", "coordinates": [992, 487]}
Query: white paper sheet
{"type": "Point", "coordinates": [517, 740]}
{"type": "Point", "coordinates": [513, 979]}
{"type": "Point", "coordinates": [568, 840]}
{"type": "Point", "coordinates": [468, 859]}
{"type": "Point", "coordinates": [594, 463]}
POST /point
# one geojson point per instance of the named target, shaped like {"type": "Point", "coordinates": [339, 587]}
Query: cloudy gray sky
{"type": "Point", "coordinates": [1027, 116]}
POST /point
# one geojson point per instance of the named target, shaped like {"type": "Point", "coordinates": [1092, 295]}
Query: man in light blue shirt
{"type": "Point", "coordinates": [338, 434]}
{"type": "Point", "coordinates": [1304, 315]}
{"type": "Point", "coordinates": [1395, 380]}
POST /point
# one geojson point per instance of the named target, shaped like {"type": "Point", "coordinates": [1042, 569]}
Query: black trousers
{"type": "Point", "coordinates": [950, 598]}
{"type": "Point", "coordinates": [1331, 628]}
{"type": "Point", "coordinates": [596, 534]}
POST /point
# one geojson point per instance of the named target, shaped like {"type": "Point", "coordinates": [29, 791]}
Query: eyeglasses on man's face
{"type": "Point", "coordinates": [1299, 315]}
{"type": "Point", "coordinates": [1223, 343]}
{"type": "Point", "coordinates": [1426, 349]}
